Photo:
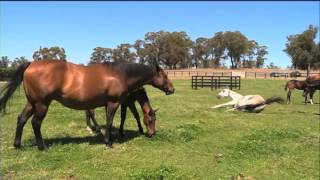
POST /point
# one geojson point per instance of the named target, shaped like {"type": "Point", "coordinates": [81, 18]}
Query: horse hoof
{"type": "Point", "coordinates": [42, 148]}
{"type": "Point", "coordinates": [17, 146]}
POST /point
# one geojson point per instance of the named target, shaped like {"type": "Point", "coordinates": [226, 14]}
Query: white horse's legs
{"type": "Point", "coordinates": [231, 103]}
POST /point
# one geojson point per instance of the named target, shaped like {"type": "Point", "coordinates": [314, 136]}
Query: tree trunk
{"type": "Point", "coordinates": [308, 69]}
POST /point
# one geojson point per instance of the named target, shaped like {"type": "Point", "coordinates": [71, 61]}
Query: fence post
{"type": "Point", "coordinates": [201, 81]}
{"type": "Point", "coordinates": [174, 74]}
{"type": "Point", "coordinates": [255, 75]}
{"type": "Point", "coordinates": [231, 82]}
{"type": "Point", "coordinates": [211, 83]}
{"type": "Point", "coordinates": [265, 75]}
{"type": "Point", "coordinates": [196, 82]}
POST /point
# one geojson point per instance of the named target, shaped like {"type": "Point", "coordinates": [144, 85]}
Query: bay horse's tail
{"type": "Point", "coordinates": [274, 99]}
{"type": "Point", "coordinates": [7, 91]}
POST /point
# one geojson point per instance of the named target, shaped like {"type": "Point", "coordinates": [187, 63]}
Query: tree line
{"type": "Point", "coordinates": [175, 50]}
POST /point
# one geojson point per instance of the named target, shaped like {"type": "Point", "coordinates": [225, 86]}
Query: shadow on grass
{"type": "Point", "coordinates": [91, 139]}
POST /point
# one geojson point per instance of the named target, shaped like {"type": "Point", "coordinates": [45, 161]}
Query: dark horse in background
{"type": "Point", "coordinates": [78, 87]}
{"type": "Point", "coordinates": [149, 114]}
{"type": "Point", "coordinates": [294, 84]}
{"type": "Point", "coordinates": [311, 87]}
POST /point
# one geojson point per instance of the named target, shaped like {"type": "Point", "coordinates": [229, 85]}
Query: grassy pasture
{"type": "Point", "coordinates": [192, 140]}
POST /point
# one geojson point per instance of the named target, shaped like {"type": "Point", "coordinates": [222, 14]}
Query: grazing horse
{"type": "Point", "coordinates": [149, 114]}
{"type": "Point", "coordinates": [311, 87]}
{"type": "Point", "coordinates": [78, 87]}
{"type": "Point", "coordinates": [248, 103]}
{"type": "Point", "coordinates": [294, 84]}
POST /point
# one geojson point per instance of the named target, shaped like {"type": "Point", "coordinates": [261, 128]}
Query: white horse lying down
{"type": "Point", "coordinates": [249, 103]}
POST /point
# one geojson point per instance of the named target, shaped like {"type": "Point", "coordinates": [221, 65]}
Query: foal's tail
{"type": "Point", "coordinates": [7, 91]}
{"type": "Point", "coordinates": [274, 99]}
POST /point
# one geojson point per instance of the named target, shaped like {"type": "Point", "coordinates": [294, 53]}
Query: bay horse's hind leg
{"type": "Point", "coordinates": [21, 121]}
{"type": "Point", "coordinates": [111, 109]}
{"type": "Point", "coordinates": [39, 114]}
{"type": "Point", "coordinates": [311, 96]}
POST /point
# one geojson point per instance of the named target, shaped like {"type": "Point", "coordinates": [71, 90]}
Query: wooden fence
{"type": "Point", "coordinates": [215, 82]}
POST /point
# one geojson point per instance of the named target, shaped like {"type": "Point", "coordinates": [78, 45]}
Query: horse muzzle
{"type": "Point", "coordinates": [169, 91]}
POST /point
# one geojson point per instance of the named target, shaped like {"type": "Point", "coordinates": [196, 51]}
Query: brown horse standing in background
{"type": "Point", "coordinates": [313, 78]}
{"type": "Point", "coordinates": [148, 119]}
{"type": "Point", "coordinates": [294, 84]}
{"type": "Point", "coordinates": [78, 87]}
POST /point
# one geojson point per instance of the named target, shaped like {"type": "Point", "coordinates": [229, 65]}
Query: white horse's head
{"type": "Point", "coordinates": [223, 93]}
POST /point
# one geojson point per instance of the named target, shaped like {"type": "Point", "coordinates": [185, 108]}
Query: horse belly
{"type": "Point", "coordinates": [83, 104]}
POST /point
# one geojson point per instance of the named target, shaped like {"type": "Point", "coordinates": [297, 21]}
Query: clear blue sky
{"type": "Point", "coordinates": [81, 26]}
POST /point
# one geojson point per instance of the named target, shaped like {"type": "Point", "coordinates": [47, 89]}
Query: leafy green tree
{"type": "Point", "coordinates": [52, 53]}
{"type": "Point", "coordinates": [4, 62]}
{"type": "Point", "coordinates": [216, 49]}
{"type": "Point", "coordinates": [123, 53]}
{"type": "Point", "coordinates": [236, 45]}
{"type": "Point", "coordinates": [18, 61]}
{"type": "Point", "coordinates": [101, 55]}
{"type": "Point", "coordinates": [303, 49]}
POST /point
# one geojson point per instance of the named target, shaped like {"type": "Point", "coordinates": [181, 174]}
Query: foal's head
{"type": "Point", "coordinates": [149, 120]}
{"type": "Point", "coordinates": [161, 81]}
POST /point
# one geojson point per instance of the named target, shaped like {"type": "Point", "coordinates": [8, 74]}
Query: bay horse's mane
{"type": "Point", "coordinates": [133, 71]}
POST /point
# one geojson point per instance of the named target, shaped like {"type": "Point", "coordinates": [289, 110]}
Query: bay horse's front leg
{"type": "Point", "coordinates": [123, 118]}
{"type": "Point", "coordinates": [111, 109]}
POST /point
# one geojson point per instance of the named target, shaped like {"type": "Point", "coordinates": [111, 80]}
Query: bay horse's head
{"type": "Point", "coordinates": [162, 82]}
{"type": "Point", "coordinates": [149, 120]}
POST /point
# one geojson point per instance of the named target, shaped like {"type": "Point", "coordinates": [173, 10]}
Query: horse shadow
{"type": "Point", "coordinates": [93, 139]}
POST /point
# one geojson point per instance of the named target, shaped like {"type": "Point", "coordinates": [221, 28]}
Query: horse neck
{"type": "Point", "coordinates": [234, 95]}
{"type": "Point", "coordinates": [142, 98]}
{"type": "Point", "coordinates": [138, 77]}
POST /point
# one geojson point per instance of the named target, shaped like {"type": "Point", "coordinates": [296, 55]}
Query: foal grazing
{"type": "Point", "coordinates": [249, 103]}
{"type": "Point", "coordinates": [294, 84]}
{"type": "Point", "coordinates": [149, 114]}
{"type": "Point", "coordinates": [78, 87]}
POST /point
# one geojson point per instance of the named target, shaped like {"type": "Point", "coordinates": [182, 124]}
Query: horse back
{"type": "Point", "coordinates": [72, 84]}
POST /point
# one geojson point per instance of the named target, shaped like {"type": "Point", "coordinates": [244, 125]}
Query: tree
{"type": "Point", "coordinates": [237, 45]}
{"type": "Point", "coordinates": [261, 52]}
{"type": "Point", "coordinates": [4, 62]}
{"type": "Point", "coordinates": [302, 49]}
{"type": "Point", "coordinates": [18, 61]}
{"type": "Point", "coordinates": [123, 53]}
{"type": "Point", "coordinates": [52, 53]}
{"type": "Point", "coordinates": [216, 49]}
{"type": "Point", "coordinates": [101, 55]}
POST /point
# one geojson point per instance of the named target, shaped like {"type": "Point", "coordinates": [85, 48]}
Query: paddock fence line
{"type": "Point", "coordinates": [215, 82]}
{"type": "Point", "coordinates": [185, 74]}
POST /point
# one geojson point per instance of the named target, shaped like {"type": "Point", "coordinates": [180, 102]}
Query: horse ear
{"type": "Point", "coordinates": [156, 110]}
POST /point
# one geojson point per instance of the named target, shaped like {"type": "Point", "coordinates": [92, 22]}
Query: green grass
{"type": "Point", "coordinates": [192, 140]}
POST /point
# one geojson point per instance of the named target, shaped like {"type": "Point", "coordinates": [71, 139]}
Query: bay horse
{"type": "Point", "coordinates": [311, 87]}
{"type": "Point", "coordinates": [78, 87]}
{"type": "Point", "coordinates": [314, 77]}
{"type": "Point", "coordinates": [248, 103]}
{"type": "Point", "coordinates": [148, 119]}
{"type": "Point", "coordinates": [294, 84]}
